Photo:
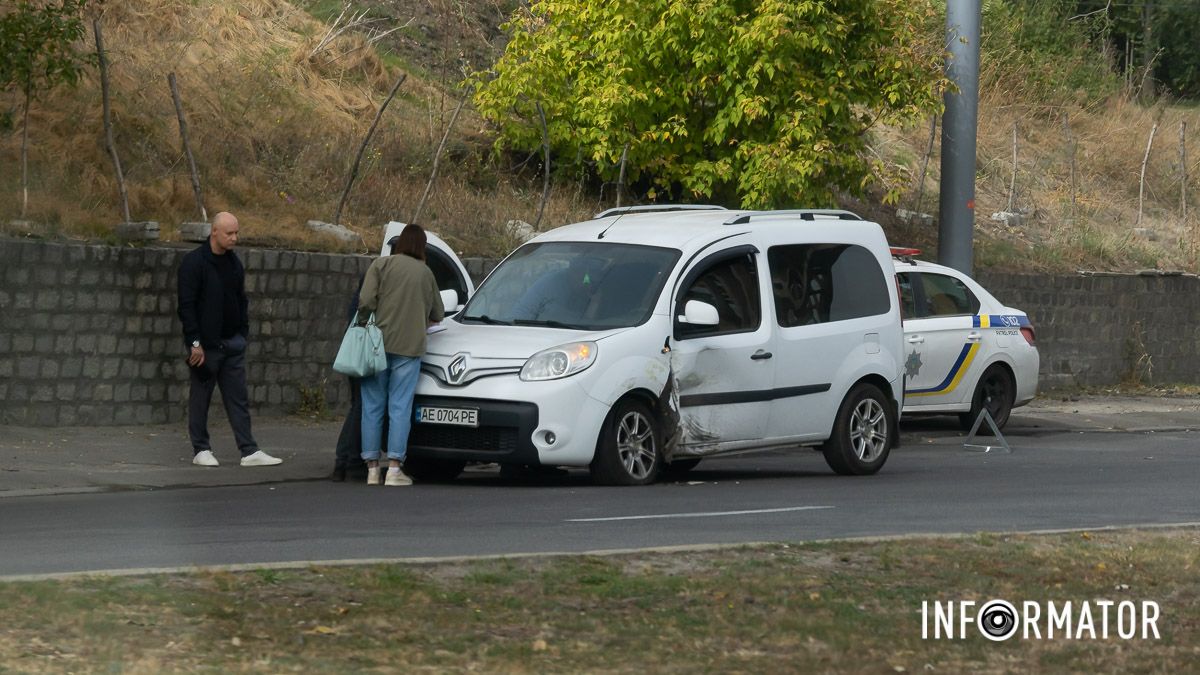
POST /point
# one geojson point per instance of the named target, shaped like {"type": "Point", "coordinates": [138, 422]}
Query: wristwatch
{"type": "Point", "coordinates": [195, 343]}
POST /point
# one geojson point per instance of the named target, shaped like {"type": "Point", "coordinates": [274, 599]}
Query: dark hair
{"type": "Point", "coordinates": [411, 242]}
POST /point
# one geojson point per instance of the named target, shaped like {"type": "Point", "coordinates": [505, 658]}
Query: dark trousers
{"type": "Point", "coordinates": [349, 443]}
{"type": "Point", "coordinates": [229, 372]}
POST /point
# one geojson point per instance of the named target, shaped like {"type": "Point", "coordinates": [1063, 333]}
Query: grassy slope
{"type": "Point", "coordinates": [276, 126]}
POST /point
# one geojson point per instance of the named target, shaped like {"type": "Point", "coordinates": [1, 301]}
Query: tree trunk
{"type": "Point", "coordinates": [1147, 87]}
{"type": "Point", "coordinates": [621, 177]}
{"type": "Point", "coordinates": [545, 167]}
{"type": "Point", "coordinates": [437, 158]}
{"type": "Point", "coordinates": [187, 146]}
{"type": "Point", "coordinates": [1142, 181]}
{"type": "Point", "coordinates": [25, 155]}
{"type": "Point", "coordinates": [337, 215]}
{"type": "Point", "coordinates": [108, 134]}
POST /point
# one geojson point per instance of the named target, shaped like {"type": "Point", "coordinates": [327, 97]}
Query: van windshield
{"type": "Point", "coordinates": [581, 285]}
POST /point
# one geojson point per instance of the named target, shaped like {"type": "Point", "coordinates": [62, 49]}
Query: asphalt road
{"type": "Point", "coordinates": [1051, 480]}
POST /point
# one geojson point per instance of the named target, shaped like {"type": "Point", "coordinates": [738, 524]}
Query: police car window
{"type": "Point", "coordinates": [908, 298]}
{"type": "Point", "coordinates": [820, 283]}
{"type": "Point", "coordinates": [731, 286]}
{"type": "Point", "coordinates": [946, 296]}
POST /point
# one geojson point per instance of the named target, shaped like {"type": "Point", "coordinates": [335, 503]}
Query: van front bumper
{"type": "Point", "coordinates": [504, 434]}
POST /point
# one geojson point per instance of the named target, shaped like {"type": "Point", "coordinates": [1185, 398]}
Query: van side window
{"type": "Point", "coordinates": [731, 286]}
{"type": "Point", "coordinates": [946, 296]}
{"type": "Point", "coordinates": [819, 283]}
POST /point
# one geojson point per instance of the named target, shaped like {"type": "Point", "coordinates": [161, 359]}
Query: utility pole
{"type": "Point", "coordinates": [956, 221]}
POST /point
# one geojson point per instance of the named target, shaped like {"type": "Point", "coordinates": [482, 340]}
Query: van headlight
{"type": "Point", "coordinates": [560, 361]}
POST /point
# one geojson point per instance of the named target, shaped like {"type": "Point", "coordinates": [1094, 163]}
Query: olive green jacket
{"type": "Point", "coordinates": [404, 296]}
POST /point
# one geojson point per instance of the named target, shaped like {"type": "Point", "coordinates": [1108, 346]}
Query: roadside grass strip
{"type": "Point", "coordinates": [816, 607]}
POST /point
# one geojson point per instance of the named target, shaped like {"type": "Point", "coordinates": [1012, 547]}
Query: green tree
{"type": "Point", "coordinates": [763, 102]}
{"type": "Point", "coordinates": [37, 53]}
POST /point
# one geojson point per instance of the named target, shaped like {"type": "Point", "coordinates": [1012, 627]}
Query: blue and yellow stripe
{"type": "Point", "coordinates": [960, 367]}
{"type": "Point", "coordinates": [963, 363]}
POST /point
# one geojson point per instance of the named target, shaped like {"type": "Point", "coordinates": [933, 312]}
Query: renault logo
{"type": "Point", "coordinates": [457, 369]}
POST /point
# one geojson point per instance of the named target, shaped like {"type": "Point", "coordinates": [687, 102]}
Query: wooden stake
{"type": "Point", "coordinates": [108, 133]}
{"type": "Point", "coordinates": [1183, 177]}
{"type": "Point", "coordinates": [1071, 153]}
{"type": "Point", "coordinates": [621, 177]}
{"type": "Point", "coordinates": [1012, 186]}
{"type": "Point", "coordinates": [545, 167]}
{"type": "Point", "coordinates": [337, 215]}
{"type": "Point", "coordinates": [925, 163]}
{"type": "Point", "coordinates": [437, 156]}
{"type": "Point", "coordinates": [1142, 181]}
{"type": "Point", "coordinates": [187, 146]}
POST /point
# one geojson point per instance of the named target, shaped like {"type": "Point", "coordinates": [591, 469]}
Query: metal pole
{"type": "Point", "coordinates": [956, 223]}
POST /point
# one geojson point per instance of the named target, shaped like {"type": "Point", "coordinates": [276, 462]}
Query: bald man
{"type": "Point", "coordinates": [215, 316]}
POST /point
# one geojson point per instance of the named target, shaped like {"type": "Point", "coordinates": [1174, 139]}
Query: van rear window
{"type": "Point", "coordinates": [821, 283]}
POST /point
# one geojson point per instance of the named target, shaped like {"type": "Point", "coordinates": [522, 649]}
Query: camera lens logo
{"type": "Point", "coordinates": [997, 620]}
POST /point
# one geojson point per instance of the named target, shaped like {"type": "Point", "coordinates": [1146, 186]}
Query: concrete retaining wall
{"type": "Point", "coordinates": [89, 334]}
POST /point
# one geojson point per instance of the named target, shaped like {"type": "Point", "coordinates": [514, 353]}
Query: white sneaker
{"type": "Point", "coordinates": [260, 458]}
{"type": "Point", "coordinates": [396, 477]}
{"type": "Point", "coordinates": [205, 458]}
{"type": "Point", "coordinates": [373, 475]}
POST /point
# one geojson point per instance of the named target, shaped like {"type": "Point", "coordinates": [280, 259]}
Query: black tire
{"type": "Point", "coordinates": [428, 470]}
{"type": "Point", "coordinates": [678, 468]}
{"type": "Point", "coordinates": [862, 432]}
{"type": "Point", "coordinates": [997, 391]}
{"type": "Point", "coordinates": [629, 450]}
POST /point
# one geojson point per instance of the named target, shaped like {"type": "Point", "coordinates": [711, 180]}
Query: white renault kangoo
{"type": "Point", "coordinates": [649, 338]}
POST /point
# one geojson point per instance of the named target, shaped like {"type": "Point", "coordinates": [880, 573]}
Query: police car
{"type": "Point", "coordinates": [964, 350]}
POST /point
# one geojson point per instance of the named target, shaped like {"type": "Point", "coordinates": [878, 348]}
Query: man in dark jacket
{"type": "Point", "coordinates": [215, 316]}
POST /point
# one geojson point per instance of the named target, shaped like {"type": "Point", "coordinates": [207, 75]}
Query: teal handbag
{"type": "Point", "coordinates": [361, 353]}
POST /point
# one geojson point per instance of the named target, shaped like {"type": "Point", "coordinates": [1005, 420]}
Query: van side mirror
{"type": "Point", "coordinates": [697, 313]}
{"type": "Point", "coordinates": [449, 301]}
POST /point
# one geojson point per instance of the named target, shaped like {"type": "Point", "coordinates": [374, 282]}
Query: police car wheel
{"type": "Point", "coordinates": [628, 451]}
{"type": "Point", "coordinates": [995, 391]}
{"type": "Point", "coordinates": [862, 435]}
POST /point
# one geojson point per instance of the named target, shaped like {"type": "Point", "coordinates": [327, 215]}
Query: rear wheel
{"type": "Point", "coordinates": [861, 436]}
{"type": "Point", "coordinates": [996, 392]}
{"type": "Point", "coordinates": [428, 470]}
{"type": "Point", "coordinates": [628, 451]}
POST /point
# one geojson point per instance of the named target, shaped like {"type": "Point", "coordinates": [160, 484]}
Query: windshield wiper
{"type": "Point", "coordinates": [549, 323]}
{"type": "Point", "coordinates": [484, 318]}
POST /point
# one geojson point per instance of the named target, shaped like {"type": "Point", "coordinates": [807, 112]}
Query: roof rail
{"type": "Point", "coordinates": [651, 208]}
{"type": "Point", "coordinates": [805, 214]}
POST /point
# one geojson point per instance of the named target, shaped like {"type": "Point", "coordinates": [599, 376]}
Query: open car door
{"type": "Point", "coordinates": [447, 268]}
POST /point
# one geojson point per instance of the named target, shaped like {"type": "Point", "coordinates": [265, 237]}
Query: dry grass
{"type": "Point", "coordinates": [275, 130]}
{"type": "Point", "coordinates": [1098, 230]}
{"type": "Point", "coordinates": [848, 607]}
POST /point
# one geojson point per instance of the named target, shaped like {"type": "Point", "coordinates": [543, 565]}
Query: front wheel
{"type": "Point", "coordinates": [628, 451]}
{"type": "Point", "coordinates": [861, 436]}
{"type": "Point", "coordinates": [996, 392]}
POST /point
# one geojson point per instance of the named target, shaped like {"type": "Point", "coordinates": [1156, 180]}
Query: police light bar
{"type": "Point", "coordinates": [898, 251]}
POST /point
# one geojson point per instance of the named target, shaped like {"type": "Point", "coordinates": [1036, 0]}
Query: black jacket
{"type": "Point", "coordinates": [201, 298]}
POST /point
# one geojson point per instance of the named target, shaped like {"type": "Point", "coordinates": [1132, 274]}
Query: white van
{"type": "Point", "coordinates": [651, 337]}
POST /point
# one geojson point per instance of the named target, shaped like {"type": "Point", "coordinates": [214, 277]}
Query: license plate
{"type": "Point", "coordinates": [463, 417]}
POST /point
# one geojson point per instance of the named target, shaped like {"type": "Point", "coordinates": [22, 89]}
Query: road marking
{"type": "Point", "coordinates": [702, 514]}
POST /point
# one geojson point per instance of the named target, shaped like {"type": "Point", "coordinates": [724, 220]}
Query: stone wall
{"type": "Point", "coordinates": [89, 334]}
{"type": "Point", "coordinates": [1096, 329]}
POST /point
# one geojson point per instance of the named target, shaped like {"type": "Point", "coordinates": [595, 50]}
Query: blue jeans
{"type": "Point", "coordinates": [389, 392]}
